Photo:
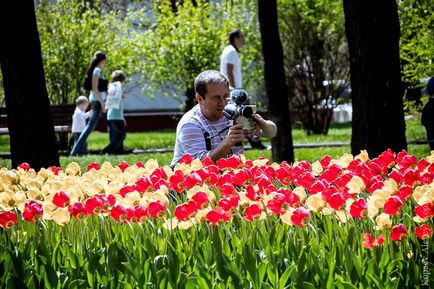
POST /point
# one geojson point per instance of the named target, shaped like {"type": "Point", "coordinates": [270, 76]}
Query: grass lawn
{"type": "Point", "coordinates": [338, 133]}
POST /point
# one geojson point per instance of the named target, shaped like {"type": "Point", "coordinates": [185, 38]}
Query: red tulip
{"type": "Point", "coordinates": [7, 219]}
{"type": "Point", "coordinates": [358, 209]}
{"type": "Point", "coordinates": [185, 211]}
{"type": "Point", "coordinates": [186, 159]}
{"type": "Point", "coordinates": [393, 205]}
{"type": "Point", "coordinates": [201, 200]}
{"type": "Point", "coordinates": [405, 160]}
{"type": "Point", "coordinates": [157, 209]}
{"type": "Point", "coordinates": [218, 215]}
{"type": "Point", "coordinates": [24, 166]}
{"type": "Point", "coordinates": [423, 232]}
{"type": "Point", "coordinates": [61, 199]}
{"type": "Point", "coordinates": [55, 170]}
{"type": "Point", "coordinates": [93, 165]}
{"type": "Point", "coordinates": [123, 165]}
{"type": "Point", "coordinates": [306, 180]}
{"type": "Point", "coordinates": [78, 210]}
{"type": "Point", "coordinates": [398, 232]}
{"type": "Point", "coordinates": [143, 185]}
{"type": "Point", "coordinates": [336, 201]}
{"type": "Point", "coordinates": [119, 213]}
{"type": "Point", "coordinates": [141, 213]}
{"type": "Point", "coordinates": [252, 212]}
{"type": "Point", "coordinates": [386, 159]}
{"type": "Point", "coordinates": [425, 211]}
{"type": "Point", "coordinates": [242, 177]}
{"type": "Point", "coordinates": [127, 189]}
{"type": "Point", "coordinates": [299, 216]}
{"type": "Point", "coordinates": [325, 161]}
{"type": "Point", "coordinates": [139, 164]}
{"type": "Point", "coordinates": [33, 211]}
{"type": "Point", "coordinates": [207, 161]}
{"type": "Point", "coordinates": [404, 192]}
{"type": "Point", "coordinates": [232, 162]}
{"type": "Point", "coordinates": [176, 180]}
{"type": "Point", "coordinates": [370, 243]}
{"type": "Point", "coordinates": [229, 203]}
{"type": "Point", "coordinates": [227, 189]}
{"type": "Point", "coordinates": [282, 201]}
{"type": "Point", "coordinates": [411, 177]}
{"type": "Point", "coordinates": [191, 180]}
{"type": "Point", "coordinates": [94, 205]}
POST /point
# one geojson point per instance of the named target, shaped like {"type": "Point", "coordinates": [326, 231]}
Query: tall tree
{"type": "Point", "coordinates": [372, 30]}
{"type": "Point", "coordinates": [30, 123]}
{"type": "Point", "coordinates": [275, 83]}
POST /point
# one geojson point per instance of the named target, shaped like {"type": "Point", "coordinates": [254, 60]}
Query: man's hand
{"type": "Point", "coordinates": [235, 135]}
{"type": "Point", "coordinates": [268, 128]}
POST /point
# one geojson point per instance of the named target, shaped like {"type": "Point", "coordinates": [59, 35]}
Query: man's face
{"type": "Point", "coordinates": [240, 40]}
{"type": "Point", "coordinates": [215, 100]}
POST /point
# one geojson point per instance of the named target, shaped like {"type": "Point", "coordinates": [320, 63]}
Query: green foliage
{"type": "Point", "coordinates": [70, 32]}
{"type": "Point", "coordinates": [417, 43]}
{"type": "Point", "coordinates": [315, 50]}
{"type": "Point", "coordinates": [416, 48]}
{"type": "Point", "coordinates": [182, 43]}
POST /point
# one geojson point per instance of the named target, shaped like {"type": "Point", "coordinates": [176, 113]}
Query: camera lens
{"type": "Point", "coordinates": [246, 111]}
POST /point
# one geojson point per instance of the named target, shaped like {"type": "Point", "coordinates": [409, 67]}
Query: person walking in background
{"type": "Point", "coordinates": [230, 63]}
{"type": "Point", "coordinates": [79, 118]}
{"type": "Point", "coordinates": [97, 84]}
{"type": "Point", "coordinates": [428, 114]}
{"type": "Point", "coordinates": [230, 66]}
{"type": "Point", "coordinates": [115, 114]}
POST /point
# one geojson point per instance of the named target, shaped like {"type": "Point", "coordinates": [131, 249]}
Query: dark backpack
{"type": "Point", "coordinates": [102, 84]}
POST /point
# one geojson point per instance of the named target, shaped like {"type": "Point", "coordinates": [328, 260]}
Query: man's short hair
{"type": "Point", "coordinates": [234, 34]}
{"type": "Point", "coordinates": [208, 77]}
{"type": "Point", "coordinates": [81, 99]}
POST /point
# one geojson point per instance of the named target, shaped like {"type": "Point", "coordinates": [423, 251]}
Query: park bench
{"type": "Point", "coordinates": [62, 119]}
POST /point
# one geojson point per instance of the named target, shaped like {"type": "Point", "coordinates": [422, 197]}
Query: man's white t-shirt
{"type": "Point", "coordinates": [230, 55]}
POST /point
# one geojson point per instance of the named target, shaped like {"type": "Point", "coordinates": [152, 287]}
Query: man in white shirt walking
{"type": "Point", "coordinates": [230, 64]}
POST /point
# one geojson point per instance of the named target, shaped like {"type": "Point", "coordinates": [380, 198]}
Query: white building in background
{"type": "Point", "coordinates": [138, 99]}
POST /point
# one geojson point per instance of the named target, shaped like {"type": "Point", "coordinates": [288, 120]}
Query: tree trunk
{"type": "Point", "coordinates": [275, 83]}
{"type": "Point", "coordinates": [30, 123]}
{"type": "Point", "coordinates": [372, 30]}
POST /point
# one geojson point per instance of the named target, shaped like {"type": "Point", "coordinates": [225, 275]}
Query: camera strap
{"type": "Point", "coordinates": [208, 138]}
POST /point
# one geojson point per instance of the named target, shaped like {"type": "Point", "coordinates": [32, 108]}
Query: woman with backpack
{"type": "Point", "coordinates": [97, 84]}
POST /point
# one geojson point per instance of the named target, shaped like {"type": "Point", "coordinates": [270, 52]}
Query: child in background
{"type": "Point", "coordinates": [115, 114]}
{"type": "Point", "coordinates": [79, 118]}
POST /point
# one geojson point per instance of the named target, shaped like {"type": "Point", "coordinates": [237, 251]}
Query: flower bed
{"type": "Point", "coordinates": [233, 224]}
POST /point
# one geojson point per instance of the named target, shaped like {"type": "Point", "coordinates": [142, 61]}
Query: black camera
{"type": "Point", "coordinates": [237, 110]}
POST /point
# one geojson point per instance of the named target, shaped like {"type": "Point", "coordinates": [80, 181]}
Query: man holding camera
{"type": "Point", "coordinates": [204, 131]}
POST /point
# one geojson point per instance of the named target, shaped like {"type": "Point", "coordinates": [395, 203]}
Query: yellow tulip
{"type": "Point", "coordinates": [73, 169]}
{"type": "Point", "coordinates": [383, 222]}
{"type": "Point", "coordinates": [315, 203]}
{"type": "Point", "coordinates": [61, 216]}
{"type": "Point", "coordinates": [317, 168]}
{"type": "Point", "coordinates": [363, 156]}
{"type": "Point", "coordinates": [356, 185]}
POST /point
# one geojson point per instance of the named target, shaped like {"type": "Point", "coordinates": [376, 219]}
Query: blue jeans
{"type": "Point", "coordinates": [117, 134]}
{"type": "Point", "coordinates": [76, 137]}
{"type": "Point", "coordinates": [80, 146]}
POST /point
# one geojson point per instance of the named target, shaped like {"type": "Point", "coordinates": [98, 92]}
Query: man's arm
{"type": "Point", "coordinates": [230, 71]}
{"type": "Point", "coordinates": [268, 128]}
